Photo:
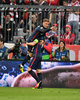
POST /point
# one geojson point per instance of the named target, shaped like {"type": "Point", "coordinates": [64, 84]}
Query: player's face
{"type": "Point", "coordinates": [45, 24]}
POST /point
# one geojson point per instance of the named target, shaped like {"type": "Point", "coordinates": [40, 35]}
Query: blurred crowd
{"type": "Point", "coordinates": [11, 21]}
{"type": "Point", "coordinates": [19, 51]}
{"type": "Point", "coordinates": [34, 2]}
{"type": "Point", "coordinates": [67, 30]}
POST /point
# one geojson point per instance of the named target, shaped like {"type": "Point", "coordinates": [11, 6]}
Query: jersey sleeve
{"type": "Point", "coordinates": [44, 30]}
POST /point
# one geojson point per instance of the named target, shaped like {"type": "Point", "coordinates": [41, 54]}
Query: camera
{"type": "Point", "coordinates": [16, 50]}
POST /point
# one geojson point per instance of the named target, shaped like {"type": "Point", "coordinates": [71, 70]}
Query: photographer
{"type": "Point", "coordinates": [19, 51]}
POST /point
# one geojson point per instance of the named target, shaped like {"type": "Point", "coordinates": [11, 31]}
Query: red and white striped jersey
{"type": "Point", "coordinates": [11, 9]}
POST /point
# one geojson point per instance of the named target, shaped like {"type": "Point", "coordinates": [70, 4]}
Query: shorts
{"type": "Point", "coordinates": [35, 63]}
{"type": "Point", "coordinates": [30, 49]}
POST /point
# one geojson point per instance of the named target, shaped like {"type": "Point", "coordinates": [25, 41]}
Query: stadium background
{"type": "Point", "coordinates": [9, 70]}
{"type": "Point", "coordinates": [16, 13]}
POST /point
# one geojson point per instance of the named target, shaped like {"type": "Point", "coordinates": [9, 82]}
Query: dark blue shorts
{"type": "Point", "coordinates": [35, 63]}
{"type": "Point", "coordinates": [30, 49]}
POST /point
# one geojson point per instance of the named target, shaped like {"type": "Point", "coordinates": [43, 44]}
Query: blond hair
{"type": "Point", "coordinates": [45, 20]}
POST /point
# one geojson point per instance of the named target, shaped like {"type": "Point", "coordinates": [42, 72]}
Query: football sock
{"type": "Point", "coordinates": [34, 75]}
{"type": "Point", "coordinates": [39, 76]}
{"type": "Point", "coordinates": [26, 59]}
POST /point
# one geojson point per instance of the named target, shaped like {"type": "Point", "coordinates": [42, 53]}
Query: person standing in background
{"type": "Point", "coordinates": [68, 37]}
{"type": "Point", "coordinates": [73, 19]}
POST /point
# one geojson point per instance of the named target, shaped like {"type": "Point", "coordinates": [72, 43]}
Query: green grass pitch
{"type": "Point", "coordinates": [7, 93]}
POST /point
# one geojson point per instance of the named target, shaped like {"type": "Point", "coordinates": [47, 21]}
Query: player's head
{"type": "Point", "coordinates": [45, 23]}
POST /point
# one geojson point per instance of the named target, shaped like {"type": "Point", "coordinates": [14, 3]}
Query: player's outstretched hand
{"type": "Point", "coordinates": [26, 43]}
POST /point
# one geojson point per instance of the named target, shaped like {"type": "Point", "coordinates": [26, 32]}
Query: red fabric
{"type": "Point", "coordinates": [75, 3]}
{"type": "Point", "coordinates": [79, 13]}
{"type": "Point", "coordinates": [50, 57]}
{"type": "Point", "coordinates": [27, 1]}
{"type": "Point", "coordinates": [79, 1]}
{"type": "Point", "coordinates": [53, 2]}
{"type": "Point", "coordinates": [55, 25]}
{"type": "Point", "coordinates": [68, 40]}
{"type": "Point", "coordinates": [68, 26]}
{"type": "Point", "coordinates": [26, 15]}
{"type": "Point", "coordinates": [55, 35]}
{"type": "Point", "coordinates": [10, 1]}
{"type": "Point", "coordinates": [12, 13]}
{"type": "Point", "coordinates": [47, 34]}
{"type": "Point", "coordinates": [48, 47]}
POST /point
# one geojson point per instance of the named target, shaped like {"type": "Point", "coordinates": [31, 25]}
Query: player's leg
{"type": "Point", "coordinates": [38, 71]}
{"type": "Point", "coordinates": [21, 66]}
{"type": "Point", "coordinates": [27, 58]}
{"type": "Point", "coordinates": [39, 74]}
{"type": "Point", "coordinates": [33, 65]}
{"type": "Point", "coordinates": [32, 73]}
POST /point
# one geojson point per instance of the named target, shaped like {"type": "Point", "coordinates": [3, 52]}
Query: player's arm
{"type": "Point", "coordinates": [32, 43]}
{"type": "Point", "coordinates": [43, 30]}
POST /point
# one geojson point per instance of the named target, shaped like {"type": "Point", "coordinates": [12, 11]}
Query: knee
{"type": "Point", "coordinates": [28, 69]}
{"type": "Point", "coordinates": [38, 70]}
{"type": "Point", "coordinates": [30, 54]}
